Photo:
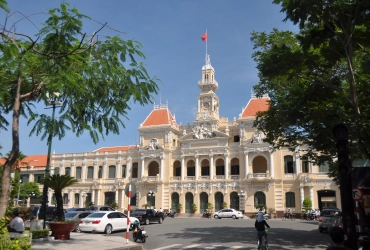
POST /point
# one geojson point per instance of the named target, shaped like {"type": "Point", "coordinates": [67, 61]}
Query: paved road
{"type": "Point", "coordinates": [195, 234]}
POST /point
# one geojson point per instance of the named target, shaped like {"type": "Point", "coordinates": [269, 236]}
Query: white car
{"type": "Point", "coordinates": [228, 213]}
{"type": "Point", "coordinates": [105, 222]}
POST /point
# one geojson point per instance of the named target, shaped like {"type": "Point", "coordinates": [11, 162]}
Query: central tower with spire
{"type": "Point", "coordinates": [208, 102]}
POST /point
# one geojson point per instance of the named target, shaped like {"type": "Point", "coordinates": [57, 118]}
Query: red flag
{"type": "Point", "coordinates": [204, 36]}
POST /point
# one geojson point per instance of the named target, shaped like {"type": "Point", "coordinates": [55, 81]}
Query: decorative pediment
{"type": "Point", "coordinates": [194, 136]}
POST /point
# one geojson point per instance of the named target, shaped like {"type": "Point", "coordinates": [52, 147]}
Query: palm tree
{"type": "Point", "coordinates": [19, 161]}
{"type": "Point", "coordinates": [58, 183]}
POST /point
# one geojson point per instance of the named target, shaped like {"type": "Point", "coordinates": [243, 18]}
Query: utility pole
{"type": "Point", "coordinates": [340, 133]}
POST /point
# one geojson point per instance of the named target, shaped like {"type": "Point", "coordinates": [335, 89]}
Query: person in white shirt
{"type": "Point", "coordinates": [160, 210]}
{"type": "Point", "coordinates": [16, 224]}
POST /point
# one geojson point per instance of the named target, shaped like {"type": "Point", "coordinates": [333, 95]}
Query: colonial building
{"type": "Point", "coordinates": [212, 160]}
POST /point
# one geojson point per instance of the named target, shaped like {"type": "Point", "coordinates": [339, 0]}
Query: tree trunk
{"type": "Point", "coordinates": [6, 180]}
{"type": "Point", "coordinates": [60, 210]}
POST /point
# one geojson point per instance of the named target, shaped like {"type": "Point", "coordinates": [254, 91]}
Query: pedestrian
{"type": "Point", "coordinates": [16, 224]}
{"type": "Point", "coordinates": [337, 236]}
{"type": "Point", "coordinates": [160, 210]}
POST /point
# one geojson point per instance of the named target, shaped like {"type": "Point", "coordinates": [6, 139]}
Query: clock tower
{"type": "Point", "coordinates": [208, 102]}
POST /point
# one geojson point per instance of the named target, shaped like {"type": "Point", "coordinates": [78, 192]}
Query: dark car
{"type": "Point", "coordinates": [96, 208]}
{"type": "Point", "coordinates": [50, 212]}
{"type": "Point", "coordinates": [76, 216]}
{"type": "Point", "coordinates": [148, 215]}
{"type": "Point", "coordinates": [329, 218]}
{"type": "Point", "coordinates": [75, 209]}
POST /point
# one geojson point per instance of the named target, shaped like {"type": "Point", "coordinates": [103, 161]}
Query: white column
{"type": "Point", "coordinates": [122, 199]}
{"type": "Point", "coordinates": [226, 166]}
{"type": "Point", "coordinates": [142, 166]}
{"type": "Point", "coordinates": [313, 170]}
{"type": "Point", "coordinates": [246, 164]}
{"type": "Point", "coordinates": [162, 167]}
{"type": "Point", "coordinates": [118, 169]}
{"type": "Point", "coordinates": [116, 196]}
{"type": "Point", "coordinates": [182, 168]}
{"type": "Point", "coordinates": [301, 189]}
{"type": "Point", "coordinates": [196, 167]}
{"type": "Point", "coordinates": [211, 167]}
{"type": "Point", "coordinates": [93, 196]}
{"type": "Point", "coordinates": [83, 174]}
{"type": "Point", "coordinates": [128, 169]}
{"type": "Point", "coordinates": [81, 199]}
{"type": "Point", "coordinates": [95, 170]}
{"type": "Point", "coordinates": [73, 170]}
{"type": "Point", "coordinates": [271, 165]}
{"type": "Point", "coordinates": [297, 163]}
{"type": "Point", "coordinates": [98, 200]}
{"type": "Point", "coordinates": [70, 198]}
{"type": "Point", "coordinates": [311, 196]}
{"type": "Point", "coordinates": [105, 168]}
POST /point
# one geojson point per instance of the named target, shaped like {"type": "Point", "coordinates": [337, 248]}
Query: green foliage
{"type": "Point", "coordinates": [194, 207]}
{"type": "Point", "coordinates": [58, 183]}
{"type": "Point", "coordinates": [209, 206]}
{"type": "Point", "coordinates": [261, 207]}
{"type": "Point", "coordinates": [113, 205]}
{"type": "Point", "coordinates": [97, 79]}
{"type": "Point", "coordinates": [4, 5]}
{"type": "Point", "coordinates": [307, 204]}
{"type": "Point", "coordinates": [40, 233]}
{"type": "Point", "coordinates": [179, 206]}
{"type": "Point", "coordinates": [3, 225]}
{"type": "Point", "coordinates": [224, 205]}
{"type": "Point", "coordinates": [24, 212]}
{"type": "Point", "coordinates": [28, 188]}
{"type": "Point", "coordinates": [271, 210]}
{"type": "Point", "coordinates": [317, 78]}
{"type": "Point", "coordinates": [254, 216]}
{"type": "Point", "coordinates": [21, 243]}
{"type": "Point", "coordinates": [89, 203]}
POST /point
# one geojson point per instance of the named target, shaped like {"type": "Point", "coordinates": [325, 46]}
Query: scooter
{"type": "Point", "coordinates": [206, 216]}
{"type": "Point", "coordinates": [171, 215]}
{"type": "Point", "coordinates": [139, 233]}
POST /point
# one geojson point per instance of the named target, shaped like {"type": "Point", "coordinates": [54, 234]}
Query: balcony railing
{"type": "Point", "coordinates": [220, 177]}
{"type": "Point", "coordinates": [203, 178]}
{"type": "Point", "coordinates": [190, 178]}
{"type": "Point", "coordinates": [234, 177]}
{"type": "Point", "coordinates": [259, 175]}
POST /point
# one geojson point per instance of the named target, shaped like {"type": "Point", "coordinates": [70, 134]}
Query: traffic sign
{"type": "Point", "coordinates": [357, 194]}
{"type": "Point", "coordinates": [133, 188]}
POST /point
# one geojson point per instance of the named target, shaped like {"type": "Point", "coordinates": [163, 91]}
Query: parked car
{"type": "Point", "coordinates": [228, 213]}
{"type": "Point", "coordinates": [148, 215]}
{"type": "Point", "coordinates": [106, 221]}
{"type": "Point", "coordinates": [75, 209]}
{"type": "Point", "coordinates": [76, 216]}
{"type": "Point", "coordinates": [50, 212]}
{"type": "Point", "coordinates": [329, 218]}
{"type": "Point", "coordinates": [96, 208]}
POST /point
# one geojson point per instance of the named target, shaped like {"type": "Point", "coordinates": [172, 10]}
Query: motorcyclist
{"type": "Point", "coordinates": [260, 225]}
{"type": "Point", "coordinates": [136, 229]}
{"type": "Point", "coordinates": [288, 214]}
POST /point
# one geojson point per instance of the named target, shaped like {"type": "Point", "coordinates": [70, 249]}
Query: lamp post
{"type": "Point", "coordinates": [54, 102]}
{"type": "Point", "coordinates": [19, 189]}
{"type": "Point", "coordinates": [32, 194]}
{"type": "Point", "coordinates": [151, 196]}
{"type": "Point", "coordinates": [241, 201]}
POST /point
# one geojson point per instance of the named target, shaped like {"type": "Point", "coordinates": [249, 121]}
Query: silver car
{"type": "Point", "coordinates": [228, 213]}
{"type": "Point", "coordinates": [329, 218]}
{"type": "Point", "coordinates": [76, 216]}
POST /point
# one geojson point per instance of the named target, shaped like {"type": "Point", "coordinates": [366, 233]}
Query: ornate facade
{"type": "Point", "coordinates": [212, 160]}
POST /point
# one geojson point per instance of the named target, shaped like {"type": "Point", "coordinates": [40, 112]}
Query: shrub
{"type": "Point", "coordinates": [114, 205]}
{"type": "Point", "coordinates": [209, 206]}
{"type": "Point", "coordinates": [179, 206]}
{"type": "Point", "coordinates": [40, 233]}
{"type": "Point", "coordinates": [261, 207]}
{"type": "Point", "coordinates": [22, 243]}
{"type": "Point", "coordinates": [271, 210]}
{"type": "Point", "coordinates": [194, 207]}
{"type": "Point", "coordinates": [307, 204]}
{"type": "Point", "coordinates": [224, 205]}
{"type": "Point", "coordinates": [254, 216]}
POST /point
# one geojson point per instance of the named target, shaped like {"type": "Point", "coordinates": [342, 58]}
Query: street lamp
{"type": "Point", "coordinates": [19, 189]}
{"type": "Point", "coordinates": [151, 196]}
{"type": "Point", "coordinates": [241, 201]}
{"type": "Point", "coordinates": [54, 102]}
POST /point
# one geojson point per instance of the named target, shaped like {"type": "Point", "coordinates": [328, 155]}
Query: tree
{"type": "Point", "coordinates": [95, 77]}
{"type": "Point", "coordinates": [307, 204]}
{"type": "Point", "coordinates": [19, 160]}
{"type": "Point", "coordinates": [4, 5]}
{"type": "Point", "coordinates": [28, 188]}
{"type": "Point", "coordinates": [316, 78]}
{"type": "Point", "coordinates": [58, 183]}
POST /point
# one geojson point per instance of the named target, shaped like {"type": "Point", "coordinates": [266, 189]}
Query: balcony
{"type": "Point", "coordinates": [204, 178]}
{"type": "Point", "coordinates": [150, 178]}
{"type": "Point", "coordinates": [220, 177]}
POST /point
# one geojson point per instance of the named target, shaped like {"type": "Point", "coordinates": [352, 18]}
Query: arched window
{"type": "Point", "coordinates": [259, 198]}
{"type": "Point", "coordinates": [112, 172]}
{"type": "Point", "coordinates": [288, 164]}
{"type": "Point", "coordinates": [68, 171]}
{"type": "Point", "coordinates": [205, 168]}
{"type": "Point", "coordinates": [100, 172]}
{"type": "Point", "coordinates": [78, 172]}
{"type": "Point", "coordinates": [90, 172]}
{"type": "Point", "coordinates": [290, 199]}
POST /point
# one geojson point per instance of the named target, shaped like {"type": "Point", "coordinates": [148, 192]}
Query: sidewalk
{"type": "Point", "coordinates": [87, 241]}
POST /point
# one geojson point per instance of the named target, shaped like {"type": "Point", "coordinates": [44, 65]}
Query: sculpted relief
{"type": "Point", "coordinates": [202, 133]}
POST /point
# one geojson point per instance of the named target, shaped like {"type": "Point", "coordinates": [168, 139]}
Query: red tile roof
{"type": "Point", "coordinates": [37, 161]}
{"type": "Point", "coordinates": [117, 148]}
{"type": "Point", "coordinates": [160, 116]}
{"type": "Point", "coordinates": [254, 106]}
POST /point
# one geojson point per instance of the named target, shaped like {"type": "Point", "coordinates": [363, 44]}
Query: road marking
{"type": "Point", "coordinates": [236, 247]}
{"type": "Point", "coordinates": [191, 246]}
{"type": "Point", "coordinates": [166, 247]}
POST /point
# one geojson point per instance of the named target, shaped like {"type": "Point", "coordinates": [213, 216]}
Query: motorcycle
{"type": "Point", "coordinates": [171, 214]}
{"type": "Point", "coordinates": [139, 233]}
{"type": "Point", "coordinates": [206, 216]}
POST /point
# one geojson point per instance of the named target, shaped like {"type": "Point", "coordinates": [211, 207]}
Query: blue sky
{"type": "Point", "coordinates": [170, 32]}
